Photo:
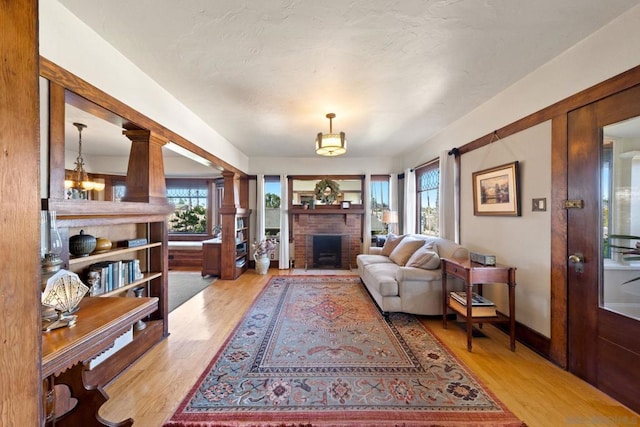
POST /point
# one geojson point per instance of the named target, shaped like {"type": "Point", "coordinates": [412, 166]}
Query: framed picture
{"type": "Point", "coordinates": [496, 191]}
{"type": "Point", "coordinates": [346, 205]}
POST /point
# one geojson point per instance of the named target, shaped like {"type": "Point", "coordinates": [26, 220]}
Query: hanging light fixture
{"type": "Point", "coordinates": [80, 177]}
{"type": "Point", "coordinates": [331, 144]}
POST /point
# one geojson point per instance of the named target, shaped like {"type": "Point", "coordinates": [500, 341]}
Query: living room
{"type": "Point", "coordinates": [533, 242]}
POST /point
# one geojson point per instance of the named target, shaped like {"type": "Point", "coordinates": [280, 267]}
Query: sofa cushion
{"type": "Point", "coordinates": [391, 243]}
{"type": "Point", "coordinates": [383, 277]}
{"type": "Point", "coordinates": [425, 257]}
{"type": "Point", "coordinates": [407, 246]}
{"type": "Point", "coordinates": [363, 260]}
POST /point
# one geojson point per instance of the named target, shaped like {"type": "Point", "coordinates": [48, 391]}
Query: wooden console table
{"type": "Point", "coordinates": [66, 353]}
{"type": "Point", "coordinates": [477, 274]}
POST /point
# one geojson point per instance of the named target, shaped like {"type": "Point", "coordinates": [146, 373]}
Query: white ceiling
{"type": "Point", "coordinates": [264, 73]}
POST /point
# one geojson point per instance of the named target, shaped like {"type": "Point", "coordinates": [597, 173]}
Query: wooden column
{"type": "Point", "coordinates": [57, 107]}
{"type": "Point", "coordinates": [20, 337]}
{"type": "Point", "coordinates": [145, 173]}
{"type": "Point", "coordinates": [228, 211]}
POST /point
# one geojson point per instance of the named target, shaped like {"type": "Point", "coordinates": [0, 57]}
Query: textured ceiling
{"type": "Point", "coordinates": [264, 74]}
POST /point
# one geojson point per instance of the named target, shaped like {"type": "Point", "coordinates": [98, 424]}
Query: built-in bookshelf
{"type": "Point", "coordinates": [242, 244]}
{"type": "Point", "coordinates": [126, 271]}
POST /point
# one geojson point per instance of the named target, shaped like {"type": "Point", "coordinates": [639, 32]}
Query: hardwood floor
{"type": "Point", "coordinates": [537, 391]}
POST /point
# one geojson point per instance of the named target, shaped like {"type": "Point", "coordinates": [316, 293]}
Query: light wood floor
{"type": "Point", "coordinates": [537, 391]}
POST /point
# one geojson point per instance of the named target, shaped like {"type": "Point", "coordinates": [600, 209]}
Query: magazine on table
{"type": "Point", "coordinates": [477, 300]}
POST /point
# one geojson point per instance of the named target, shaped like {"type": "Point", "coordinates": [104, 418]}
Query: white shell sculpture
{"type": "Point", "coordinates": [64, 291]}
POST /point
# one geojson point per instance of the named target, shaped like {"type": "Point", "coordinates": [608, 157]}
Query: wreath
{"type": "Point", "coordinates": [327, 191]}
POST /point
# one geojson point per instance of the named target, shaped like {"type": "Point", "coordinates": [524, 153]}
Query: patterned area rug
{"type": "Point", "coordinates": [315, 351]}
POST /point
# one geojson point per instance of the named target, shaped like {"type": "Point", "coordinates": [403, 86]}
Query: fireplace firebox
{"type": "Point", "coordinates": [327, 251]}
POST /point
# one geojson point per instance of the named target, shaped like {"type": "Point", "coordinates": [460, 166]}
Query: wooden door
{"type": "Point", "coordinates": [604, 191]}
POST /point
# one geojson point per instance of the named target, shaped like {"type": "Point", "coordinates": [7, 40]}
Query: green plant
{"type": "Point", "coordinates": [327, 191]}
{"type": "Point", "coordinates": [629, 253]}
{"type": "Point", "coordinates": [192, 219]}
{"type": "Point", "coordinates": [271, 200]}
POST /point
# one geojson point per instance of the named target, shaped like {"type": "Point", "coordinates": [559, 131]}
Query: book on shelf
{"type": "Point", "coordinates": [107, 276]}
{"type": "Point", "coordinates": [476, 299]}
{"type": "Point", "coordinates": [132, 243]}
{"type": "Point", "coordinates": [480, 307]}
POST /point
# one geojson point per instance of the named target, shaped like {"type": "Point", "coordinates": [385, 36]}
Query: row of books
{"type": "Point", "coordinates": [480, 306]}
{"type": "Point", "coordinates": [107, 276]}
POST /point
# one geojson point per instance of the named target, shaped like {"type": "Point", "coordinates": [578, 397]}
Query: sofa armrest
{"type": "Point", "coordinates": [374, 250]}
{"type": "Point", "coordinates": [412, 273]}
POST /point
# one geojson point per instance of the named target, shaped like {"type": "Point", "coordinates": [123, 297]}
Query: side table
{"type": "Point", "coordinates": [478, 274]}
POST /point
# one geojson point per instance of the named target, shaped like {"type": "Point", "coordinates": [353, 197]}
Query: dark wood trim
{"type": "Point", "coordinates": [319, 177]}
{"type": "Point", "coordinates": [529, 337]}
{"type": "Point", "coordinates": [112, 108]}
{"type": "Point", "coordinates": [558, 345]}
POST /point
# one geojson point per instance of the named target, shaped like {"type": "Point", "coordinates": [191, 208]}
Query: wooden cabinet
{"type": "Point", "coordinates": [151, 253]}
{"type": "Point", "coordinates": [211, 257]}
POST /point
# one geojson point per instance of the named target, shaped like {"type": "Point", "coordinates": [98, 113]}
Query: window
{"type": "Point", "coordinates": [191, 201]}
{"type": "Point", "coordinates": [427, 199]}
{"type": "Point", "coordinates": [272, 197]}
{"type": "Point", "coordinates": [379, 202]}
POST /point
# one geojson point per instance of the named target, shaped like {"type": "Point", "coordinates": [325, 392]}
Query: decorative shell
{"type": "Point", "coordinates": [65, 293]}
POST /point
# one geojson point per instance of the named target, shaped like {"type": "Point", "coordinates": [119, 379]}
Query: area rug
{"type": "Point", "coordinates": [315, 351]}
{"type": "Point", "coordinates": [182, 286]}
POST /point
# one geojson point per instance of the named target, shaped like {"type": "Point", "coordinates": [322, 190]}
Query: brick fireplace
{"type": "Point", "coordinates": [326, 239]}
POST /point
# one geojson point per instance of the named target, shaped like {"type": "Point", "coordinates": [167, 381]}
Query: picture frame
{"type": "Point", "coordinates": [346, 204]}
{"type": "Point", "coordinates": [496, 191]}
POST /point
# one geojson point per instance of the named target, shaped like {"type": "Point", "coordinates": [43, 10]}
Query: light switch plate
{"type": "Point", "coordinates": [539, 205]}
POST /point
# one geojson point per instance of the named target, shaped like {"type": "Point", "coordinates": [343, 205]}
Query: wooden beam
{"type": "Point", "coordinates": [20, 336]}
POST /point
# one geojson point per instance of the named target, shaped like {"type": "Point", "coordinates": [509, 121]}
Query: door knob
{"type": "Point", "coordinates": [576, 258]}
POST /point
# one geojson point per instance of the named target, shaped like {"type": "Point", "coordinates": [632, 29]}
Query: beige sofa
{"type": "Point", "coordinates": [405, 276]}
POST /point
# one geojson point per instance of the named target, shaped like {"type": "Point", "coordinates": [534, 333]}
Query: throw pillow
{"type": "Point", "coordinates": [391, 243]}
{"type": "Point", "coordinates": [425, 257]}
{"type": "Point", "coordinates": [401, 254]}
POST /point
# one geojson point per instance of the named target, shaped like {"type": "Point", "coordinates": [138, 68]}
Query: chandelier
{"type": "Point", "coordinates": [331, 144]}
{"type": "Point", "coordinates": [80, 180]}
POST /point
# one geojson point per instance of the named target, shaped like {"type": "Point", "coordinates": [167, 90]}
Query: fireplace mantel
{"type": "Point", "coordinates": [326, 211]}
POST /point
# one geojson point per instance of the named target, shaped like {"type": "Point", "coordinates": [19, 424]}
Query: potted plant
{"type": "Point", "coordinates": [629, 253]}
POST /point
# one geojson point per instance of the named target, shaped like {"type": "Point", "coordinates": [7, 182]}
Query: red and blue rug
{"type": "Point", "coordinates": [315, 351]}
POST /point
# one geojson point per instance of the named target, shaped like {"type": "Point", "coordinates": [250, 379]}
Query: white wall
{"type": "Point", "coordinates": [324, 165]}
{"type": "Point", "coordinates": [523, 242]}
{"type": "Point", "coordinates": [71, 44]}
{"type": "Point", "coordinates": [606, 53]}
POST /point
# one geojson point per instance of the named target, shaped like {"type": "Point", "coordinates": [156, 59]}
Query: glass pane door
{"type": "Point", "coordinates": [620, 218]}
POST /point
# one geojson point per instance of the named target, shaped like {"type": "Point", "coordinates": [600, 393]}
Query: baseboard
{"type": "Point", "coordinates": [530, 338]}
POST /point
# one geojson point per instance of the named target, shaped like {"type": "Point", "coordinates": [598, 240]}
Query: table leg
{"type": "Point", "coordinates": [469, 318]}
{"type": "Point", "coordinates": [445, 304]}
{"type": "Point", "coordinates": [512, 315]}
